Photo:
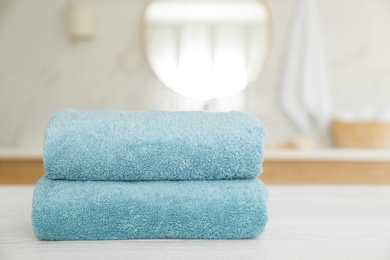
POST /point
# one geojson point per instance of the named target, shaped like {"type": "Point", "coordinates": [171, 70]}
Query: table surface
{"type": "Point", "coordinates": [306, 222]}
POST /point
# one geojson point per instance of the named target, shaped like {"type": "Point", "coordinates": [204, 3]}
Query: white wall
{"type": "Point", "coordinates": [42, 71]}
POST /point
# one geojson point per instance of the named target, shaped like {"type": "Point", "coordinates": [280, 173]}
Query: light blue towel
{"type": "Point", "coordinates": [94, 210]}
{"type": "Point", "coordinates": [153, 145]}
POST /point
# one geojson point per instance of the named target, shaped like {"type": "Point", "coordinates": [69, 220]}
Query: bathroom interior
{"type": "Point", "coordinates": [315, 73]}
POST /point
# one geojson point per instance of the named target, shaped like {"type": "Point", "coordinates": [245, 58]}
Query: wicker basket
{"type": "Point", "coordinates": [361, 135]}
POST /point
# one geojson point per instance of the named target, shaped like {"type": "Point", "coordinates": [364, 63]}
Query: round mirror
{"type": "Point", "coordinates": [206, 49]}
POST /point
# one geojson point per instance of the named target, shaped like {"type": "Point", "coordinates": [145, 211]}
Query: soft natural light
{"type": "Point", "coordinates": [206, 11]}
{"type": "Point", "coordinates": [200, 53]}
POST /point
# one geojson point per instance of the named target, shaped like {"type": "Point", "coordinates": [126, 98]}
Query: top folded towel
{"type": "Point", "coordinates": [153, 145]}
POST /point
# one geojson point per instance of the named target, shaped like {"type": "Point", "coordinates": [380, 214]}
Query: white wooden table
{"type": "Point", "coordinates": [306, 222]}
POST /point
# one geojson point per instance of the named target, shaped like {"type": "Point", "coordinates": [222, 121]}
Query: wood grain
{"type": "Point", "coordinates": [275, 172]}
{"type": "Point", "coordinates": [20, 171]}
{"type": "Point", "coordinates": [311, 172]}
{"type": "Point", "coordinates": [305, 222]}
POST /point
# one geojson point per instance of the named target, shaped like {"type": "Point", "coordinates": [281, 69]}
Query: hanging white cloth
{"type": "Point", "coordinates": [304, 91]}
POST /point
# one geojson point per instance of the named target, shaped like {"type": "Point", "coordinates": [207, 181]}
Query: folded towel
{"type": "Point", "coordinates": [93, 210]}
{"type": "Point", "coordinates": [153, 145]}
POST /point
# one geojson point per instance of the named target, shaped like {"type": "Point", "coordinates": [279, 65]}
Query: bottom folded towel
{"type": "Point", "coordinates": [92, 210]}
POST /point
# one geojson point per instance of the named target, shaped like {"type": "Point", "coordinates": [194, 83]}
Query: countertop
{"type": "Point", "coordinates": [306, 222]}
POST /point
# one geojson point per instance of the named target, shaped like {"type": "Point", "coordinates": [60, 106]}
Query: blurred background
{"type": "Point", "coordinates": [315, 72]}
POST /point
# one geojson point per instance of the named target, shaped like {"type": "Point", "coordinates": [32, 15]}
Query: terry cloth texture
{"type": "Point", "coordinates": [93, 210]}
{"type": "Point", "coordinates": [153, 145]}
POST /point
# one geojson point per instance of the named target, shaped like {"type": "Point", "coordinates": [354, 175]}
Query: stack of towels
{"type": "Point", "coordinates": [154, 174]}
